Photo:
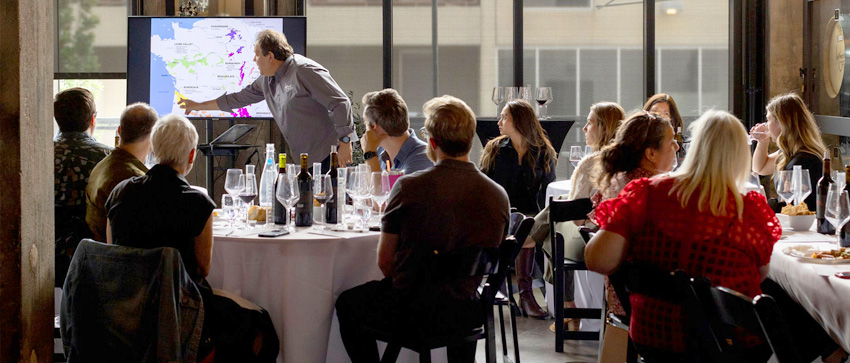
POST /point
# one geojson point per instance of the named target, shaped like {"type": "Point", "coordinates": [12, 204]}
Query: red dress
{"type": "Point", "coordinates": [659, 231]}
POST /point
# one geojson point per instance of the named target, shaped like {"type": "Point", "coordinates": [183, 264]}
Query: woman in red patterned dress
{"type": "Point", "coordinates": [694, 219]}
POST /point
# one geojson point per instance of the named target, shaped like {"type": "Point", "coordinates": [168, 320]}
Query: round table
{"type": "Point", "coordinates": [558, 188]}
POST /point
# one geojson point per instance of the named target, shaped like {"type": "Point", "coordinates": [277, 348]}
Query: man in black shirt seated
{"type": "Point", "coordinates": [452, 205]}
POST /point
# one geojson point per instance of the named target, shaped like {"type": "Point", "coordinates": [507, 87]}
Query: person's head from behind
{"type": "Point", "coordinates": [174, 140]}
{"type": "Point", "coordinates": [450, 127]}
{"type": "Point", "coordinates": [664, 106]}
{"type": "Point", "coordinates": [386, 112]}
{"type": "Point", "coordinates": [642, 141]}
{"type": "Point", "coordinates": [717, 163]}
{"type": "Point", "coordinates": [270, 50]}
{"type": "Point", "coordinates": [74, 110]}
{"type": "Point", "coordinates": [793, 127]}
{"type": "Point", "coordinates": [136, 123]}
{"type": "Point", "coordinates": [602, 123]}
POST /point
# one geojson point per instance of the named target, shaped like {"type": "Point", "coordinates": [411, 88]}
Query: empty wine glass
{"type": "Point", "coordinates": [323, 189]}
{"type": "Point", "coordinates": [805, 186]}
{"type": "Point", "coordinates": [498, 97]}
{"type": "Point", "coordinates": [784, 185]}
{"type": "Point", "coordinates": [380, 189]}
{"type": "Point", "coordinates": [837, 210]}
{"type": "Point", "coordinates": [229, 206]}
{"type": "Point", "coordinates": [525, 93]}
{"type": "Point", "coordinates": [233, 183]}
{"type": "Point", "coordinates": [588, 150]}
{"type": "Point", "coordinates": [544, 96]}
{"type": "Point", "coordinates": [576, 153]}
{"type": "Point", "coordinates": [287, 194]}
{"type": "Point", "coordinates": [512, 93]}
{"type": "Point", "coordinates": [248, 194]}
{"type": "Point", "coordinates": [358, 187]}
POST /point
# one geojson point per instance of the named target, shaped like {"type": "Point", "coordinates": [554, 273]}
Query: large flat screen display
{"type": "Point", "coordinates": [200, 59]}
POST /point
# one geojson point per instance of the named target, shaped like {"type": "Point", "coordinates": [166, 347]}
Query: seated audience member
{"type": "Point", "coordinates": [75, 153]}
{"type": "Point", "coordinates": [389, 136]}
{"type": "Point", "coordinates": [125, 162]}
{"type": "Point", "coordinates": [793, 128]}
{"type": "Point", "coordinates": [663, 105]}
{"type": "Point", "coordinates": [643, 147]}
{"type": "Point", "coordinates": [161, 209]}
{"type": "Point", "coordinates": [696, 220]}
{"type": "Point", "coordinates": [601, 126]}
{"type": "Point", "coordinates": [522, 160]}
{"type": "Point", "coordinates": [423, 216]}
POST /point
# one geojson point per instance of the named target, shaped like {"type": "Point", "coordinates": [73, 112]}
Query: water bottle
{"type": "Point", "coordinates": [267, 181]}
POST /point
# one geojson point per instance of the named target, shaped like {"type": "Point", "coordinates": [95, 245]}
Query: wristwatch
{"type": "Point", "coordinates": [345, 139]}
{"type": "Point", "coordinates": [369, 154]}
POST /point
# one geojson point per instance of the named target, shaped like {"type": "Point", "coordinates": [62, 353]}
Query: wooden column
{"type": "Point", "coordinates": [26, 181]}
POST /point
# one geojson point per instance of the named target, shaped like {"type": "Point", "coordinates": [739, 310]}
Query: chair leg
{"type": "Point", "coordinates": [516, 338]}
{"type": "Point", "coordinates": [464, 353]}
{"type": "Point", "coordinates": [502, 326]}
{"type": "Point", "coordinates": [391, 353]}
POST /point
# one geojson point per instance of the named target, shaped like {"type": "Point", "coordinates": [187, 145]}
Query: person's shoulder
{"type": "Point", "coordinates": [198, 197]}
{"type": "Point", "coordinates": [302, 62]}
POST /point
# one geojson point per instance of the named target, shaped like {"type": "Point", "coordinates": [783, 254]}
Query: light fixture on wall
{"type": "Point", "coordinates": [671, 7]}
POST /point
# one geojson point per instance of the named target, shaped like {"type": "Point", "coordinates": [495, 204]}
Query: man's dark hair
{"type": "Point", "coordinates": [137, 120]}
{"type": "Point", "coordinates": [275, 42]}
{"type": "Point", "coordinates": [73, 109]}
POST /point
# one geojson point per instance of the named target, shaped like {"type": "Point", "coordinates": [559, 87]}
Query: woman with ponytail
{"type": "Point", "coordinates": [643, 147]}
{"type": "Point", "coordinates": [522, 160]}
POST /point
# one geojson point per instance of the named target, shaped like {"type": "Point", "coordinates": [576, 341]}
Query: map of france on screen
{"type": "Point", "coordinates": [201, 59]}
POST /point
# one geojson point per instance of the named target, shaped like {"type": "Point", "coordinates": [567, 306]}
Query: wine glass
{"type": "Point", "coordinates": [498, 97]}
{"type": "Point", "coordinates": [323, 189]}
{"type": "Point", "coordinates": [754, 135]}
{"type": "Point", "coordinates": [512, 93]}
{"type": "Point", "coordinates": [588, 150]}
{"type": "Point", "coordinates": [248, 194]}
{"type": "Point", "coordinates": [287, 194]}
{"type": "Point", "coordinates": [784, 187]}
{"type": "Point", "coordinates": [805, 186]}
{"type": "Point", "coordinates": [233, 182]}
{"type": "Point", "coordinates": [837, 210]}
{"type": "Point", "coordinates": [576, 153]}
{"type": "Point", "coordinates": [229, 206]}
{"type": "Point", "coordinates": [544, 96]}
{"type": "Point", "coordinates": [525, 93]}
{"type": "Point", "coordinates": [380, 189]}
{"type": "Point", "coordinates": [358, 187]}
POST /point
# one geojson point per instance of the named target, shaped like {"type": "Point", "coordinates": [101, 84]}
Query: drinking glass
{"type": "Point", "coordinates": [287, 194]}
{"type": "Point", "coordinates": [576, 153]}
{"type": "Point", "coordinates": [512, 93]}
{"type": "Point", "coordinates": [233, 182]}
{"type": "Point", "coordinates": [784, 187]}
{"type": "Point", "coordinates": [588, 150]}
{"type": "Point", "coordinates": [358, 187]}
{"type": "Point", "coordinates": [752, 136]}
{"type": "Point", "coordinates": [525, 93]}
{"type": "Point", "coordinates": [837, 210]}
{"type": "Point", "coordinates": [323, 189]}
{"type": "Point", "coordinates": [498, 97]}
{"type": "Point", "coordinates": [248, 194]}
{"type": "Point", "coordinates": [544, 96]}
{"type": "Point", "coordinates": [380, 189]}
{"type": "Point", "coordinates": [805, 186]}
{"type": "Point", "coordinates": [229, 206]}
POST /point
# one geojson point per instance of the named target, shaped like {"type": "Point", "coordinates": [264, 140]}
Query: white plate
{"type": "Point", "coordinates": [804, 253]}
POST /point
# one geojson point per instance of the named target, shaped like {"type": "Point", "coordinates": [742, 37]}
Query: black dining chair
{"type": "Point", "coordinates": [520, 227]}
{"type": "Point", "coordinates": [566, 211]}
{"type": "Point", "coordinates": [483, 261]}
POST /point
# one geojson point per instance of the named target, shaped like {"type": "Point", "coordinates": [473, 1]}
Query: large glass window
{"type": "Point", "coordinates": [110, 98]}
{"type": "Point", "coordinates": [91, 36]}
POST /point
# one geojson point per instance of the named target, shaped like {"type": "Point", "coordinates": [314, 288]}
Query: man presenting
{"type": "Point", "coordinates": [311, 110]}
{"type": "Point", "coordinates": [125, 162]}
{"type": "Point", "coordinates": [423, 217]}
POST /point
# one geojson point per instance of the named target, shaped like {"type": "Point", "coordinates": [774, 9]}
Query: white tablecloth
{"type": "Point", "coordinates": [814, 286]}
{"type": "Point", "coordinates": [557, 188]}
{"type": "Point", "coordinates": [297, 278]}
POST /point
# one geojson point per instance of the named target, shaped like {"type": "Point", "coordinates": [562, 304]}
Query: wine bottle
{"type": "Point", "coordinates": [844, 235]}
{"type": "Point", "coordinates": [279, 211]}
{"type": "Point", "coordinates": [331, 209]}
{"type": "Point", "coordinates": [823, 226]}
{"type": "Point", "coordinates": [304, 206]}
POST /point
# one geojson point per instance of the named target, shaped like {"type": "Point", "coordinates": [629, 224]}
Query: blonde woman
{"type": "Point", "coordinates": [793, 128]}
{"type": "Point", "coordinates": [522, 161]}
{"type": "Point", "coordinates": [694, 219]}
{"type": "Point", "coordinates": [599, 129]}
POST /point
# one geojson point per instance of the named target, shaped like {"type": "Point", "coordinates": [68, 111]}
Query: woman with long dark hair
{"type": "Point", "coordinates": [522, 160]}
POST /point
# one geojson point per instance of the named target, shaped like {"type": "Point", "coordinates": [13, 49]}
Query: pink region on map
{"type": "Point", "coordinates": [241, 73]}
{"type": "Point", "coordinates": [239, 51]}
{"type": "Point", "coordinates": [242, 112]}
{"type": "Point", "coordinates": [230, 55]}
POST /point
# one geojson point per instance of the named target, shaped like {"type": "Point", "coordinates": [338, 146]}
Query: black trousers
{"type": "Point", "coordinates": [376, 305]}
{"type": "Point", "coordinates": [234, 331]}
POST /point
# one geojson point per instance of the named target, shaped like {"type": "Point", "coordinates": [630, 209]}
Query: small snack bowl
{"type": "Point", "coordinates": [797, 223]}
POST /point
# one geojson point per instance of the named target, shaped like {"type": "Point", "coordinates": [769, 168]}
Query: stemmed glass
{"type": "Point", "coordinates": [358, 187]}
{"type": "Point", "coordinates": [576, 153]}
{"type": "Point", "coordinates": [323, 189]}
{"type": "Point", "coordinates": [229, 206]}
{"type": "Point", "coordinates": [837, 210]}
{"type": "Point", "coordinates": [234, 183]}
{"type": "Point", "coordinates": [512, 93]}
{"type": "Point", "coordinates": [498, 97]}
{"type": "Point", "coordinates": [784, 185]}
{"type": "Point", "coordinates": [287, 194]}
{"type": "Point", "coordinates": [525, 93]}
{"type": "Point", "coordinates": [380, 189]}
{"type": "Point", "coordinates": [805, 186]}
{"type": "Point", "coordinates": [588, 150]}
{"type": "Point", "coordinates": [753, 136]}
{"type": "Point", "coordinates": [248, 194]}
{"type": "Point", "coordinates": [544, 96]}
